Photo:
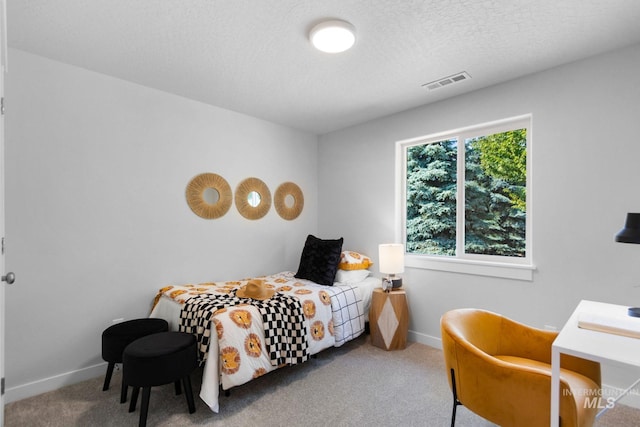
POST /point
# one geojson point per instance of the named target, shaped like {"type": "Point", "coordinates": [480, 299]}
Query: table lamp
{"type": "Point", "coordinates": [631, 234]}
{"type": "Point", "coordinates": [391, 257]}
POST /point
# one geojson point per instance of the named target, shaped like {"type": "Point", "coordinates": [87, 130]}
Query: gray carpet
{"type": "Point", "coordinates": [357, 384]}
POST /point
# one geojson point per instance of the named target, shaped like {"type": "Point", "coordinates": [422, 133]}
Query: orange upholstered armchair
{"type": "Point", "coordinates": [501, 370]}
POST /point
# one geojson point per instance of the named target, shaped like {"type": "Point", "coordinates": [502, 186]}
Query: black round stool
{"type": "Point", "coordinates": [158, 359]}
{"type": "Point", "coordinates": [116, 337]}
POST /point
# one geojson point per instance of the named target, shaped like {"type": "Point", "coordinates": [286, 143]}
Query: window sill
{"type": "Point", "coordinates": [478, 268]}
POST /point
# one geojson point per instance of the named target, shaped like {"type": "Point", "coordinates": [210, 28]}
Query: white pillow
{"type": "Point", "coordinates": [351, 276]}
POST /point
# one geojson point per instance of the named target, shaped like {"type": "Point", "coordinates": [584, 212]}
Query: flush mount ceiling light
{"type": "Point", "coordinates": [333, 36]}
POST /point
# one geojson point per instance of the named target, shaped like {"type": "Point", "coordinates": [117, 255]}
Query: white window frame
{"type": "Point", "coordinates": [519, 268]}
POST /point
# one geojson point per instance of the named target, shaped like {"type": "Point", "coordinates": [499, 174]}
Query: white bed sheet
{"type": "Point", "coordinates": [366, 288]}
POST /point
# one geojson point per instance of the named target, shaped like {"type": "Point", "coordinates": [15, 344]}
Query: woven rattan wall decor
{"type": "Point", "coordinates": [288, 192]}
{"type": "Point", "coordinates": [206, 207]}
{"type": "Point", "coordinates": [253, 198]}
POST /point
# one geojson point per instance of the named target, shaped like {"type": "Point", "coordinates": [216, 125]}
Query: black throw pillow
{"type": "Point", "coordinates": [319, 260]}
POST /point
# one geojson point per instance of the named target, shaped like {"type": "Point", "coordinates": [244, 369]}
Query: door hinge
{"type": "Point", "coordinates": [2, 249]}
{"type": "Point", "coordinates": [2, 386]}
{"type": "Point", "coordinates": [2, 105]}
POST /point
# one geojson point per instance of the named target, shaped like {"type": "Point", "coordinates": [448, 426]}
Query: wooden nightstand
{"type": "Point", "coordinates": [389, 319]}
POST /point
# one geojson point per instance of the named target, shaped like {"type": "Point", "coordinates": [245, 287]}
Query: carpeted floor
{"type": "Point", "coordinates": [355, 385]}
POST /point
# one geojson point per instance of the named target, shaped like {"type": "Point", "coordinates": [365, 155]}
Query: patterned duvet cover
{"type": "Point", "coordinates": [332, 315]}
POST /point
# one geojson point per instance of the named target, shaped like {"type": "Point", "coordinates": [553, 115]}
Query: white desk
{"type": "Point", "coordinates": [589, 344]}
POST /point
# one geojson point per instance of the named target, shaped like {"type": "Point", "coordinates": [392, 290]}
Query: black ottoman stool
{"type": "Point", "coordinates": [116, 337]}
{"type": "Point", "coordinates": [158, 359]}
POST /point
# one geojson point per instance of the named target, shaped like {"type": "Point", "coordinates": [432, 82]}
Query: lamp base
{"type": "Point", "coordinates": [397, 282]}
{"type": "Point", "coordinates": [634, 311]}
{"type": "Point", "coordinates": [391, 283]}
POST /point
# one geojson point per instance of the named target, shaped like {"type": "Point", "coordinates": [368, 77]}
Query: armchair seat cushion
{"type": "Point", "coordinates": [582, 388]}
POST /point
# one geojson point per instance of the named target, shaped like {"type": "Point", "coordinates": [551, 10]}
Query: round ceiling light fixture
{"type": "Point", "coordinates": [333, 36]}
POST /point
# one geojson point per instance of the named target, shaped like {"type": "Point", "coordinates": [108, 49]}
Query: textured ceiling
{"type": "Point", "coordinates": [253, 56]}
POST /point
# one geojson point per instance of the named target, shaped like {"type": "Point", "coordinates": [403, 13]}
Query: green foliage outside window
{"type": "Point", "coordinates": [495, 196]}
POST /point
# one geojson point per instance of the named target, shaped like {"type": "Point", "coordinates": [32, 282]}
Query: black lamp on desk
{"type": "Point", "coordinates": [631, 234]}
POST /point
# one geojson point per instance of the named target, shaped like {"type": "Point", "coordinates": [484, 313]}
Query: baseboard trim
{"type": "Point", "coordinates": [425, 339]}
{"type": "Point", "coordinates": [55, 382]}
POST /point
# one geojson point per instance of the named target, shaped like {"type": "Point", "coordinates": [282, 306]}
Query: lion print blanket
{"type": "Point", "coordinates": [330, 316]}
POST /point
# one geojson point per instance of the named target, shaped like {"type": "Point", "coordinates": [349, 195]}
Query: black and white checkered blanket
{"type": "Point", "coordinates": [285, 333]}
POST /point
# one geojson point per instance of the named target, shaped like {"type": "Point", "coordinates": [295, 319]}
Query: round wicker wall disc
{"type": "Point", "coordinates": [285, 210]}
{"type": "Point", "coordinates": [196, 195]}
{"type": "Point", "coordinates": [245, 196]}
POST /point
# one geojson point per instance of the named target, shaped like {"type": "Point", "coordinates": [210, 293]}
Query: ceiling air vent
{"type": "Point", "coordinates": [456, 78]}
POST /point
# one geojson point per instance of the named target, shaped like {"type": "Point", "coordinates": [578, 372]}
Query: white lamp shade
{"type": "Point", "coordinates": [333, 36]}
{"type": "Point", "coordinates": [391, 257]}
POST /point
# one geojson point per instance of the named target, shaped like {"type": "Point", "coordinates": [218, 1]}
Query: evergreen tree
{"type": "Point", "coordinates": [431, 198]}
{"type": "Point", "coordinates": [482, 231]}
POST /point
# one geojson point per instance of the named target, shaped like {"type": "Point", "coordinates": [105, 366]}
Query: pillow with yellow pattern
{"type": "Point", "coordinates": [351, 260]}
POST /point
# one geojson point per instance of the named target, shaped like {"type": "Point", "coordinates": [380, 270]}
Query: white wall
{"type": "Point", "coordinates": [96, 217]}
{"type": "Point", "coordinates": [585, 179]}
{"type": "Point", "coordinates": [97, 221]}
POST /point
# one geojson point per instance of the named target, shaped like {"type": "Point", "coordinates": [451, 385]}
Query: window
{"type": "Point", "coordinates": [466, 197]}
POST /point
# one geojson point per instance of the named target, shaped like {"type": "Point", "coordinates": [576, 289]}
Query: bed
{"type": "Point", "coordinates": [250, 337]}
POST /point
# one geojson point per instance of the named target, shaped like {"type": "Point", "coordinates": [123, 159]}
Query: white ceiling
{"type": "Point", "coordinates": [253, 56]}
